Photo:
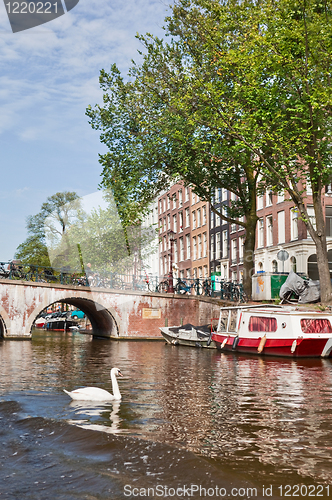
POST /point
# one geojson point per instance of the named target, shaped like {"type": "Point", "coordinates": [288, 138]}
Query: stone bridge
{"type": "Point", "coordinates": [113, 314]}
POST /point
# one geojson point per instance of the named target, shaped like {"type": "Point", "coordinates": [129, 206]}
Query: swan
{"type": "Point", "coordinates": [97, 394]}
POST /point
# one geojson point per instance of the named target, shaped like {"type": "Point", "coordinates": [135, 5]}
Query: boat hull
{"type": "Point", "coordinates": [293, 347]}
{"type": "Point", "coordinates": [189, 338]}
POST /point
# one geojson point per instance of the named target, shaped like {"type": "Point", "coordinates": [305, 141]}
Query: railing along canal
{"type": "Point", "coordinates": [225, 290]}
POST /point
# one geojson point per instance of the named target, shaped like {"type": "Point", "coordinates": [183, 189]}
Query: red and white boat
{"type": "Point", "coordinates": [274, 330]}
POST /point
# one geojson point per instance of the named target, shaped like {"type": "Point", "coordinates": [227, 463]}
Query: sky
{"type": "Point", "coordinates": [48, 76]}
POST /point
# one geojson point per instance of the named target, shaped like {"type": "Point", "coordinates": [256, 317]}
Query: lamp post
{"type": "Point", "coordinates": [170, 274]}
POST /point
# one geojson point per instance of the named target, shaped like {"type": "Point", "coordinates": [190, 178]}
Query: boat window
{"type": "Point", "coordinates": [262, 324]}
{"type": "Point", "coordinates": [223, 320]}
{"type": "Point", "coordinates": [232, 321]}
{"type": "Point", "coordinates": [316, 325]}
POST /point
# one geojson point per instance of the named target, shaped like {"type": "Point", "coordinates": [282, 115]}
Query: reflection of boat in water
{"type": "Point", "coordinates": [274, 330]}
{"type": "Point", "coordinates": [189, 335]}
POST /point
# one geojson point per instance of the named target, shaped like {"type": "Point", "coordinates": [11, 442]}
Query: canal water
{"type": "Point", "coordinates": [192, 423]}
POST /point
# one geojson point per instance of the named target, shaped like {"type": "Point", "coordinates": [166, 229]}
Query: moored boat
{"type": "Point", "coordinates": [59, 324]}
{"type": "Point", "coordinates": [274, 330]}
{"type": "Point", "coordinates": [189, 335]}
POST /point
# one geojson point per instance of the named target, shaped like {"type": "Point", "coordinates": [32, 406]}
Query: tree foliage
{"type": "Point", "coordinates": [241, 88]}
{"type": "Point", "coordinates": [54, 218]}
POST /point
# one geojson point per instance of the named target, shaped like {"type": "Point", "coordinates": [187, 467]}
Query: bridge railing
{"type": "Point", "coordinates": [225, 290]}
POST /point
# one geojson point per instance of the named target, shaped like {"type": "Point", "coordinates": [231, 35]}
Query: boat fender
{"type": "Point", "coordinates": [197, 344]}
{"type": "Point", "coordinates": [261, 344]}
{"type": "Point", "coordinates": [224, 342]}
{"type": "Point", "coordinates": [175, 342]}
{"type": "Point", "coordinates": [235, 342]}
{"type": "Point", "coordinates": [294, 345]}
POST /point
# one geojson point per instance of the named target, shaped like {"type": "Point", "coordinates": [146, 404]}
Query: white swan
{"type": "Point", "coordinates": [97, 394]}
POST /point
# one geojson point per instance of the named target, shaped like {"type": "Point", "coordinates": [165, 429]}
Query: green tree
{"type": "Point", "coordinates": [153, 143]}
{"type": "Point", "coordinates": [242, 84]}
{"type": "Point", "coordinates": [54, 218]}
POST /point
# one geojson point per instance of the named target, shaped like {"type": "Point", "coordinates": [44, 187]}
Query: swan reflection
{"type": "Point", "coordinates": [100, 412]}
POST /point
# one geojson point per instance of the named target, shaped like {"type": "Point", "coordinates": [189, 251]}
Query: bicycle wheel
{"type": "Point", "coordinates": [181, 288]}
{"type": "Point", "coordinates": [116, 283]}
{"type": "Point", "coordinates": [163, 287]}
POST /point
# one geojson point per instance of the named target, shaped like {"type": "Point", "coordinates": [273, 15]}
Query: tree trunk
{"type": "Point", "coordinates": [248, 257]}
{"type": "Point", "coordinates": [319, 237]}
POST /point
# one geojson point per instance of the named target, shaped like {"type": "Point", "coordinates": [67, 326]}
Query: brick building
{"type": "Point", "coordinates": [184, 233]}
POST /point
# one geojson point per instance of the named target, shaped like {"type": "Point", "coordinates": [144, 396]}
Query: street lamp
{"type": "Point", "coordinates": [170, 274]}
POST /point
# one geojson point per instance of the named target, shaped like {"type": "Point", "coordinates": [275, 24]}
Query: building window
{"type": "Point", "coordinates": [328, 220]}
{"type": "Point", "coordinates": [261, 233]}
{"type": "Point", "coordinates": [294, 223]}
{"type": "Point", "coordinates": [293, 264]}
{"type": "Point", "coordinates": [213, 250]}
{"type": "Point", "coordinates": [195, 248]}
{"type": "Point", "coordinates": [200, 272]}
{"type": "Point", "coordinates": [193, 198]}
{"type": "Point", "coordinates": [274, 266]}
{"type": "Point", "coordinates": [260, 202]}
{"type": "Point", "coordinates": [168, 202]}
{"type": "Point", "coordinates": [281, 197]}
{"type": "Point", "coordinates": [204, 245]}
{"type": "Point", "coordinates": [241, 248]}
{"type": "Point", "coordinates": [180, 198]}
{"type": "Point", "coordinates": [281, 227]}
{"type": "Point", "coordinates": [165, 244]}
{"type": "Point", "coordinates": [188, 245]}
{"type": "Point", "coordinates": [180, 222]}
{"type": "Point", "coordinates": [174, 200]}
{"type": "Point", "coordinates": [212, 220]}
{"type": "Point", "coordinates": [308, 187]}
{"type": "Point", "coordinates": [224, 244]}
{"type": "Point", "coordinates": [175, 243]}
{"type": "Point", "coordinates": [174, 224]}
{"type": "Point", "coordinates": [233, 228]}
{"type": "Point", "coordinates": [312, 216]}
{"type": "Point", "coordinates": [187, 217]}
{"type": "Point", "coordinates": [199, 218]}
{"type": "Point", "coordinates": [218, 221]}
{"type": "Point", "coordinates": [269, 230]}
{"type": "Point", "coordinates": [188, 273]}
{"type": "Point", "coordinates": [186, 194]}
{"type": "Point", "coordinates": [199, 246]}
{"type": "Point", "coordinates": [168, 222]}
{"type": "Point", "coordinates": [269, 198]}
{"type": "Point", "coordinates": [204, 215]}
{"type": "Point", "coordinates": [217, 246]}
{"type": "Point", "coordinates": [234, 251]}
{"type": "Point", "coordinates": [205, 271]}
{"type": "Point", "coordinates": [181, 249]}
{"type": "Point", "coordinates": [194, 219]}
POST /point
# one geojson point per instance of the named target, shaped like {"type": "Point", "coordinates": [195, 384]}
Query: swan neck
{"type": "Point", "coordinates": [115, 386]}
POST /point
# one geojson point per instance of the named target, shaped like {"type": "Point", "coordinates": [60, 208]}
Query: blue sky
{"type": "Point", "coordinates": [48, 76]}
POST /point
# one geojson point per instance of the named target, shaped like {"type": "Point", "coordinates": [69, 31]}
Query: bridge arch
{"type": "Point", "coordinates": [3, 329]}
{"type": "Point", "coordinates": [104, 321]}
